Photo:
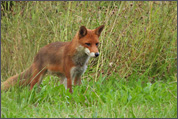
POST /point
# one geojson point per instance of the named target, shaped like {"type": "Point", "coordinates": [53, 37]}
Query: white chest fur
{"type": "Point", "coordinates": [80, 59]}
{"type": "Point", "coordinates": [76, 72]}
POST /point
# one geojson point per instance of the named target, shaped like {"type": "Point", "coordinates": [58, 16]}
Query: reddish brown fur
{"type": "Point", "coordinates": [56, 57]}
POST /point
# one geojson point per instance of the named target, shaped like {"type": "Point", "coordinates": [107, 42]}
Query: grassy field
{"type": "Point", "coordinates": [134, 77]}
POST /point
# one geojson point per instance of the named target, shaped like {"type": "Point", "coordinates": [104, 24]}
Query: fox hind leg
{"type": "Point", "coordinates": [36, 78]}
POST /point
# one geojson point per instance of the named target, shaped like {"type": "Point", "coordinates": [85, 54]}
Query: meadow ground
{"type": "Point", "coordinates": [135, 75]}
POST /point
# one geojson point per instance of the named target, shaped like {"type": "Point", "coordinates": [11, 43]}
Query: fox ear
{"type": "Point", "coordinates": [99, 30]}
{"type": "Point", "coordinates": [82, 32]}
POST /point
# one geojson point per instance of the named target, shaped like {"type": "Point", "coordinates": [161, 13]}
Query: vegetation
{"type": "Point", "coordinates": [135, 75]}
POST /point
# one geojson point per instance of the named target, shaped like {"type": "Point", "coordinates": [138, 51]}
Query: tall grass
{"type": "Point", "coordinates": [139, 37]}
{"type": "Point", "coordinates": [138, 46]}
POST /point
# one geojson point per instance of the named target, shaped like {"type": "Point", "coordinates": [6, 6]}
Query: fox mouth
{"type": "Point", "coordinates": [91, 54]}
{"type": "Point", "coordinates": [87, 51]}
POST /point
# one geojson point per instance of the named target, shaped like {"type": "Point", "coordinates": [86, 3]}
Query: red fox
{"type": "Point", "coordinates": [66, 59]}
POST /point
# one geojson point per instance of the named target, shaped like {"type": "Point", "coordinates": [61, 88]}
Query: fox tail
{"type": "Point", "coordinates": [21, 79]}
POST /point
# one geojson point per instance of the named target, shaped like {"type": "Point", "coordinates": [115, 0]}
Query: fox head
{"type": "Point", "coordinates": [89, 39]}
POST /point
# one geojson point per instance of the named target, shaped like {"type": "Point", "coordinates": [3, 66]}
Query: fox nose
{"type": "Point", "coordinates": [96, 54]}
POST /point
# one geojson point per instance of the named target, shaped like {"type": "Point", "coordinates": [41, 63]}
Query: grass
{"type": "Point", "coordinates": [135, 75]}
{"type": "Point", "coordinates": [105, 98]}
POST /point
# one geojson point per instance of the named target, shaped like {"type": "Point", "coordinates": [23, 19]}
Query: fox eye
{"type": "Point", "coordinates": [97, 44]}
{"type": "Point", "coordinates": [88, 44]}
